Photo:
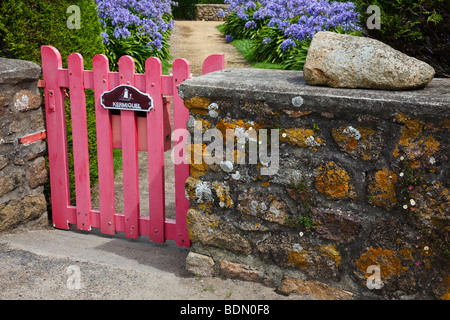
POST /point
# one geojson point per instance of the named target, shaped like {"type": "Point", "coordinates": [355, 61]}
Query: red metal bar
{"type": "Point", "coordinates": [33, 137]}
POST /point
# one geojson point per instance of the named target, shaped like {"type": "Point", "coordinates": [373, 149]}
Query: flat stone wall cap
{"type": "Point", "coordinates": [281, 89]}
{"type": "Point", "coordinates": [13, 71]}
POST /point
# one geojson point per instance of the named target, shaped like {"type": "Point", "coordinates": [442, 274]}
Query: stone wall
{"type": "Point", "coordinates": [359, 205]}
{"type": "Point", "coordinates": [22, 164]}
{"type": "Point", "coordinates": [210, 12]}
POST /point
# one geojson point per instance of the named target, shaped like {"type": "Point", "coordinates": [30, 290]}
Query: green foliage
{"type": "Point", "coordinates": [300, 222]}
{"type": "Point", "coordinates": [26, 25]}
{"type": "Point", "coordinates": [235, 26]}
{"type": "Point", "coordinates": [418, 28]}
{"type": "Point", "coordinates": [135, 46]}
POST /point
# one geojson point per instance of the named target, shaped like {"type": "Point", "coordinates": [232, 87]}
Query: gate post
{"type": "Point", "coordinates": [56, 137]}
{"type": "Point", "coordinates": [181, 72]}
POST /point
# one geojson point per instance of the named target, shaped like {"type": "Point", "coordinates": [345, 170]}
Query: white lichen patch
{"type": "Point", "coordinates": [311, 142]}
{"type": "Point", "coordinates": [226, 166]}
{"type": "Point", "coordinates": [352, 132]}
{"type": "Point", "coordinates": [236, 176]}
{"type": "Point", "coordinates": [22, 103]}
{"type": "Point", "coordinates": [203, 193]}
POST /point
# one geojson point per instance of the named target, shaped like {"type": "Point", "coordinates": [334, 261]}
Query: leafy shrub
{"type": "Point", "coordinates": [26, 25]}
{"type": "Point", "coordinates": [418, 28]}
{"type": "Point", "coordinates": [283, 29]}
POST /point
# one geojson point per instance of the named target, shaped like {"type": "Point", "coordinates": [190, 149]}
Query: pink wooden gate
{"type": "Point", "coordinates": [152, 139]}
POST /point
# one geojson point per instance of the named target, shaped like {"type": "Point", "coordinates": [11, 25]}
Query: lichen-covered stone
{"type": "Point", "coordinates": [238, 271]}
{"type": "Point", "coordinates": [421, 149]}
{"type": "Point", "coordinates": [381, 189]}
{"type": "Point", "coordinates": [22, 210]}
{"type": "Point", "coordinates": [334, 181]}
{"type": "Point", "coordinates": [25, 100]}
{"type": "Point", "coordinates": [302, 137]}
{"type": "Point", "coordinates": [199, 264]}
{"type": "Point", "coordinates": [290, 250]}
{"type": "Point", "coordinates": [271, 208]}
{"type": "Point", "coordinates": [318, 290]}
{"type": "Point", "coordinates": [431, 202]}
{"type": "Point", "coordinates": [197, 162]}
{"type": "Point", "coordinates": [223, 193]}
{"type": "Point", "coordinates": [37, 173]}
{"type": "Point", "coordinates": [361, 142]}
{"type": "Point", "coordinates": [338, 225]}
{"type": "Point", "coordinates": [387, 260]}
{"type": "Point", "coordinates": [211, 230]}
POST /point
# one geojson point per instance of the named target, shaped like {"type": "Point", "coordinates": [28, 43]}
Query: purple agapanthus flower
{"type": "Point", "coordinates": [126, 18]}
{"type": "Point", "coordinates": [298, 19]}
{"type": "Point", "coordinates": [229, 38]}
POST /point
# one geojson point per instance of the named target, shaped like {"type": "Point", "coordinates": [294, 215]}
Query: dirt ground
{"type": "Point", "coordinates": [39, 262]}
{"type": "Point", "coordinates": [196, 40]}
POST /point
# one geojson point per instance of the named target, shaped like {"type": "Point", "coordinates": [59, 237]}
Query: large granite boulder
{"type": "Point", "coordinates": [345, 61]}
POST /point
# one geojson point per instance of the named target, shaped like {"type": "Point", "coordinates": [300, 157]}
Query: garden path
{"type": "Point", "coordinates": [196, 40]}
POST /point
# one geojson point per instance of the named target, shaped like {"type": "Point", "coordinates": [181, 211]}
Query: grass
{"type": "Point", "coordinates": [246, 48]}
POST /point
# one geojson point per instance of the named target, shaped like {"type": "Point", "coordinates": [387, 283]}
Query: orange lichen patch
{"type": "Point", "coordinates": [223, 193]}
{"type": "Point", "coordinates": [197, 103]}
{"type": "Point", "coordinates": [414, 143]}
{"type": "Point", "coordinates": [386, 259]}
{"type": "Point", "coordinates": [190, 186]}
{"type": "Point", "coordinates": [201, 112]}
{"type": "Point", "coordinates": [446, 286]}
{"type": "Point", "coordinates": [331, 252]}
{"type": "Point", "coordinates": [445, 124]}
{"type": "Point", "coordinates": [401, 118]}
{"type": "Point", "coordinates": [197, 163]}
{"type": "Point", "coordinates": [334, 182]}
{"type": "Point", "coordinates": [222, 125]}
{"type": "Point", "coordinates": [432, 201]}
{"type": "Point", "coordinates": [406, 253]}
{"type": "Point", "coordinates": [206, 207]}
{"type": "Point", "coordinates": [202, 124]}
{"type": "Point", "coordinates": [381, 190]}
{"type": "Point", "coordinates": [265, 183]}
{"type": "Point", "coordinates": [301, 137]}
{"type": "Point", "coordinates": [298, 259]}
{"type": "Point", "coordinates": [347, 140]}
{"type": "Point", "coordinates": [296, 114]}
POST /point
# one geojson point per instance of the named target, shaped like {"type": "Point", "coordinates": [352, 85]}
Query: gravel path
{"type": "Point", "coordinates": [196, 40]}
